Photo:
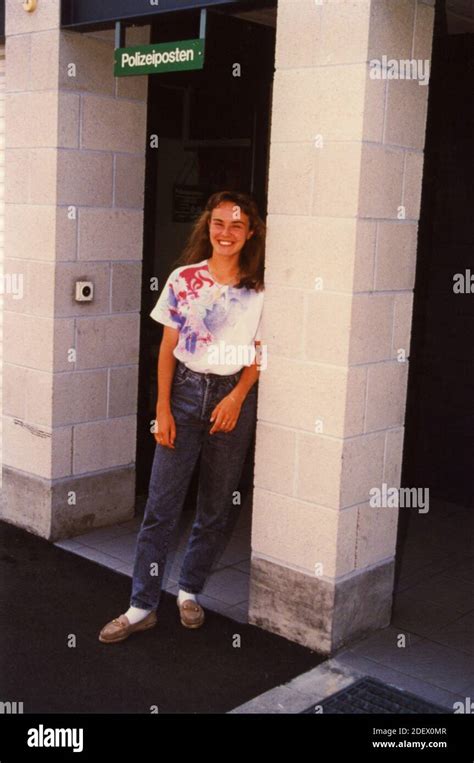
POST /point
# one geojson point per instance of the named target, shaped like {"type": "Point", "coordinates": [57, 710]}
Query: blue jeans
{"type": "Point", "coordinates": [193, 397]}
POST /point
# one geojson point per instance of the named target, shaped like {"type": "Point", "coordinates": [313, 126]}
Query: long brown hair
{"type": "Point", "coordinates": [251, 260]}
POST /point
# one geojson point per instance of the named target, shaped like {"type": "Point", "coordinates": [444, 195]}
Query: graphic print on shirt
{"type": "Point", "coordinates": [205, 312]}
{"type": "Point", "coordinates": [201, 311]}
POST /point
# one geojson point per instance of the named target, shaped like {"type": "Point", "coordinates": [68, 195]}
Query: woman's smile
{"type": "Point", "coordinates": [227, 219]}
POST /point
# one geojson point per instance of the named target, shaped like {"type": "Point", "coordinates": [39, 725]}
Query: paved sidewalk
{"type": "Point", "coordinates": [351, 664]}
{"type": "Point", "coordinates": [226, 590]}
{"type": "Point", "coordinates": [433, 608]}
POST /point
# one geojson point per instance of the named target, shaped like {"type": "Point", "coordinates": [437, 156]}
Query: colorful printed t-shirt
{"type": "Point", "coordinates": [218, 324]}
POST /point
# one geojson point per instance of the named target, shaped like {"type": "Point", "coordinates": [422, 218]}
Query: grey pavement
{"type": "Point", "coordinates": [428, 648]}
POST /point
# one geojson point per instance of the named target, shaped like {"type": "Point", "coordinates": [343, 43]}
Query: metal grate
{"type": "Point", "coordinates": [368, 695]}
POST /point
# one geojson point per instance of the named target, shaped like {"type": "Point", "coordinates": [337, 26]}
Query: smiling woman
{"type": "Point", "coordinates": [207, 402]}
{"type": "Point", "coordinates": [231, 236]}
{"type": "Point", "coordinates": [217, 296]}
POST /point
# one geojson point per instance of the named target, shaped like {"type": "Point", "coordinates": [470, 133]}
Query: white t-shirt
{"type": "Point", "coordinates": [218, 324]}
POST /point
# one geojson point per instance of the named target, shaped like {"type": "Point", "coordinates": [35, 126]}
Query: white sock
{"type": "Point", "coordinates": [183, 595]}
{"type": "Point", "coordinates": [135, 614]}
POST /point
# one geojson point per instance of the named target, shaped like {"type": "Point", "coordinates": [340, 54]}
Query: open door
{"type": "Point", "coordinates": [212, 130]}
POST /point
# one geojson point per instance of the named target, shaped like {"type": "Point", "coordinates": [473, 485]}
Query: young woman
{"type": "Point", "coordinates": [208, 368]}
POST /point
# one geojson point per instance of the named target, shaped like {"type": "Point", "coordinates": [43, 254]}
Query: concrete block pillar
{"type": "Point", "coordinates": [75, 162]}
{"type": "Point", "coordinates": [344, 199]}
{"type": "Point", "coordinates": [2, 220]}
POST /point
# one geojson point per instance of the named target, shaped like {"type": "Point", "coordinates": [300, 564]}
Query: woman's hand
{"type": "Point", "coordinates": [166, 427]}
{"type": "Point", "coordinates": [226, 414]}
{"type": "Point", "coordinates": [165, 433]}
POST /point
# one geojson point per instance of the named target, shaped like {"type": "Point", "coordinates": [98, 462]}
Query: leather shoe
{"type": "Point", "coordinates": [120, 627]}
{"type": "Point", "coordinates": [191, 613]}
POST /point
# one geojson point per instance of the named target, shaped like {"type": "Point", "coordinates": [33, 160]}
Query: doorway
{"type": "Point", "coordinates": [208, 130]}
{"type": "Point", "coordinates": [434, 591]}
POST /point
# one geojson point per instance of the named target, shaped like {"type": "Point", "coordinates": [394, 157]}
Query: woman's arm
{"type": "Point", "coordinates": [226, 413]}
{"type": "Point", "coordinates": [166, 366]}
{"type": "Point", "coordinates": [248, 377]}
{"type": "Point", "coordinates": [166, 433]}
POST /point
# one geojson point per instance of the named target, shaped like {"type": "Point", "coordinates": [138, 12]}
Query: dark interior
{"type": "Point", "coordinates": [213, 134]}
{"type": "Point", "coordinates": [439, 437]}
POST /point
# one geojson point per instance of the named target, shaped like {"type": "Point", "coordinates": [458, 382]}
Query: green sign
{"type": "Point", "coordinates": [155, 59]}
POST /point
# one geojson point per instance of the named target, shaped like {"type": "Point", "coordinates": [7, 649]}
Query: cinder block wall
{"type": "Point", "coordinates": [75, 162]}
{"type": "Point", "coordinates": [346, 155]}
{"type": "Point", "coordinates": [344, 200]}
{"type": "Point", "coordinates": [2, 229]}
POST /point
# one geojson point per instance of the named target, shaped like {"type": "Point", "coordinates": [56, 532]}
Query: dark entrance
{"type": "Point", "coordinates": [212, 130]}
{"type": "Point", "coordinates": [439, 447]}
{"type": "Point", "coordinates": [434, 555]}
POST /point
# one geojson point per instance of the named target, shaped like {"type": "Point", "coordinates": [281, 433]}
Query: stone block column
{"type": "Point", "coordinates": [2, 222]}
{"type": "Point", "coordinates": [344, 200]}
{"type": "Point", "coordinates": [75, 163]}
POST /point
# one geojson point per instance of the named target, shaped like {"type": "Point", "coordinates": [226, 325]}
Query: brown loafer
{"type": "Point", "coordinates": [191, 613]}
{"type": "Point", "coordinates": [120, 627]}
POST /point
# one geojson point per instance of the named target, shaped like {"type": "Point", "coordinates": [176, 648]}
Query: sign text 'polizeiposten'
{"type": "Point", "coordinates": [162, 57]}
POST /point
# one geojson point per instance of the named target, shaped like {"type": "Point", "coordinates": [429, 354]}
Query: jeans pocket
{"type": "Point", "coordinates": [225, 387]}
{"type": "Point", "coordinates": [180, 376]}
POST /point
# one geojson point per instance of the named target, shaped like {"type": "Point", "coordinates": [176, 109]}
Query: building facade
{"type": "Point", "coordinates": [346, 151]}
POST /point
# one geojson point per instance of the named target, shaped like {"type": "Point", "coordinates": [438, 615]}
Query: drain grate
{"type": "Point", "coordinates": [368, 695]}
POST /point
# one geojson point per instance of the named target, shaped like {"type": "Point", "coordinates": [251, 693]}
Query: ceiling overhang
{"type": "Point", "coordinates": [87, 14]}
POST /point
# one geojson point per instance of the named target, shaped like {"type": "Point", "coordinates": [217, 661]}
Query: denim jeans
{"type": "Point", "coordinates": [193, 397]}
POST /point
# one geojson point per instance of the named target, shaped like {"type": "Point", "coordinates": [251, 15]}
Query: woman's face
{"type": "Point", "coordinates": [229, 229]}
